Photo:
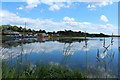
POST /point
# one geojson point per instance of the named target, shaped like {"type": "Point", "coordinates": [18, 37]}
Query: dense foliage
{"type": "Point", "coordinates": [42, 72]}
{"type": "Point", "coordinates": [20, 29]}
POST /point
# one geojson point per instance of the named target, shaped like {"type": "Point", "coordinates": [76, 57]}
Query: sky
{"type": "Point", "coordinates": [92, 17]}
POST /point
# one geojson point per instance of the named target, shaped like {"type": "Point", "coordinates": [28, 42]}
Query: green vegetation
{"type": "Point", "coordinates": [65, 33]}
{"type": "Point", "coordinates": [19, 29]}
{"type": "Point", "coordinates": [37, 71]}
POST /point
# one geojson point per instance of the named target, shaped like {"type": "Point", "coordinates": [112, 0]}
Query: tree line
{"type": "Point", "coordinates": [20, 29]}
{"type": "Point", "coordinates": [68, 33]}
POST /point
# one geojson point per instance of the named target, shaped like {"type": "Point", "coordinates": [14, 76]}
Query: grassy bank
{"type": "Point", "coordinates": [46, 71]}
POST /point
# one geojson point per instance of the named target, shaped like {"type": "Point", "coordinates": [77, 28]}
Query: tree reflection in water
{"type": "Point", "coordinates": [103, 66]}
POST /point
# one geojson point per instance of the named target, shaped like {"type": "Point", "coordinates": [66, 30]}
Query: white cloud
{"type": "Point", "coordinates": [20, 8]}
{"type": "Point", "coordinates": [49, 25]}
{"type": "Point", "coordinates": [32, 1]}
{"type": "Point", "coordinates": [61, 0]}
{"type": "Point", "coordinates": [52, 4]}
{"type": "Point", "coordinates": [54, 7]}
{"type": "Point", "coordinates": [104, 18]}
{"type": "Point", "coordinates": [94, 5]}
{"type": "Point", "coordinates": [91, 7]}
{"type": "Point", "coordinates": [104, 3]}
{"type": "Point", "coordinates": [30, 4]}
{"type": "Point", "coordinates": [68, 19]}
{"type": "Point", "coordinates": [57, 6]}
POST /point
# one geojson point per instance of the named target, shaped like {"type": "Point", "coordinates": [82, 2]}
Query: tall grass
{"type": "Point", "coordinates": [37, 71]}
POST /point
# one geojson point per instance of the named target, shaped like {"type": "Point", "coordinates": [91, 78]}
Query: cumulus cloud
{"type": "Point", "coordinates": [57, 6]}
{"type": "Point", "coordinates": [30, 4]}
{"type": "Point", "coordinates": [54, 7]}
{"type": "Point", "coordinates": [68, 19]}
{"type": "Point", "coordinates": [94, 5]}
{"type": "Point", "coordinates": [104, 18]}
{"type": "Point", "coordinates": [91, 7]}
{"type": "Point", "coordinates": [104, 3]}
{"type": "Point", "coordinates": [52, 4]}
{"type": "Point", "coordinates": [49, 25]}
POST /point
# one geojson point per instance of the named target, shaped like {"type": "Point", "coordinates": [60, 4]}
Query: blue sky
{"type": "Point", "coordinates": [54, 16]}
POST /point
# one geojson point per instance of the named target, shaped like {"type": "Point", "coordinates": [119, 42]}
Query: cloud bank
{"type": "Point", "coordinates": [49, 25]}
{"type": "Point", "coordinates": [58, 4]}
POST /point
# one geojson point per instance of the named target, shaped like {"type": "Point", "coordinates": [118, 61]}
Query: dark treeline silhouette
{"type": "Point", "coordinates": [65, 33]}
{"type": "Point", "coordinates": [79, 33]}
{"type": "Point", "coordinates": [20, 29]}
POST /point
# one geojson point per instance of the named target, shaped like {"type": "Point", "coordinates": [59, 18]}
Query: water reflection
{"type": "Point", "coordinates": [98, 56]}
{"type": "Point", "coordinates": [105, 59]}
{"type": "Point", "coordinates": [119, 59]}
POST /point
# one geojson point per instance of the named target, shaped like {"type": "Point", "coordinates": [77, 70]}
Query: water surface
{"type": "Point", "coordinates": [99, 56]}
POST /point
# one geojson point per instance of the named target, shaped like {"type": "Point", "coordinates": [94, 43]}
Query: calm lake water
{"type": "Point", "coordinates": [99, 56]}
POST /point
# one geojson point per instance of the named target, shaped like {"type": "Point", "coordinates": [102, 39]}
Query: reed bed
{"type": "Point", "coordinates": [38, 71]}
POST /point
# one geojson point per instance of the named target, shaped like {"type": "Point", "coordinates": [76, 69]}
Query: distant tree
{"type": "Point", "coordinates": [14, 28]}
{"type": "Point", "coordinates": [24, 29]}
{"type": "Point", "coordinates": [29, 30]}
{"type": "Point", "coordinates": [20, 29]}
{"type": "Point", "coordinates": [40, 31]}
{"type": "Point", "coordinates": [33, 31]}
{"type": "Point", "coordinates": [43, 31]}
{"type": "Point", "coordinates": [54, 32]}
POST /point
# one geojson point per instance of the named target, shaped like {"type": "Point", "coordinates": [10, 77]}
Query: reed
{"type": "Point", "coordinates": [37, 71]}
